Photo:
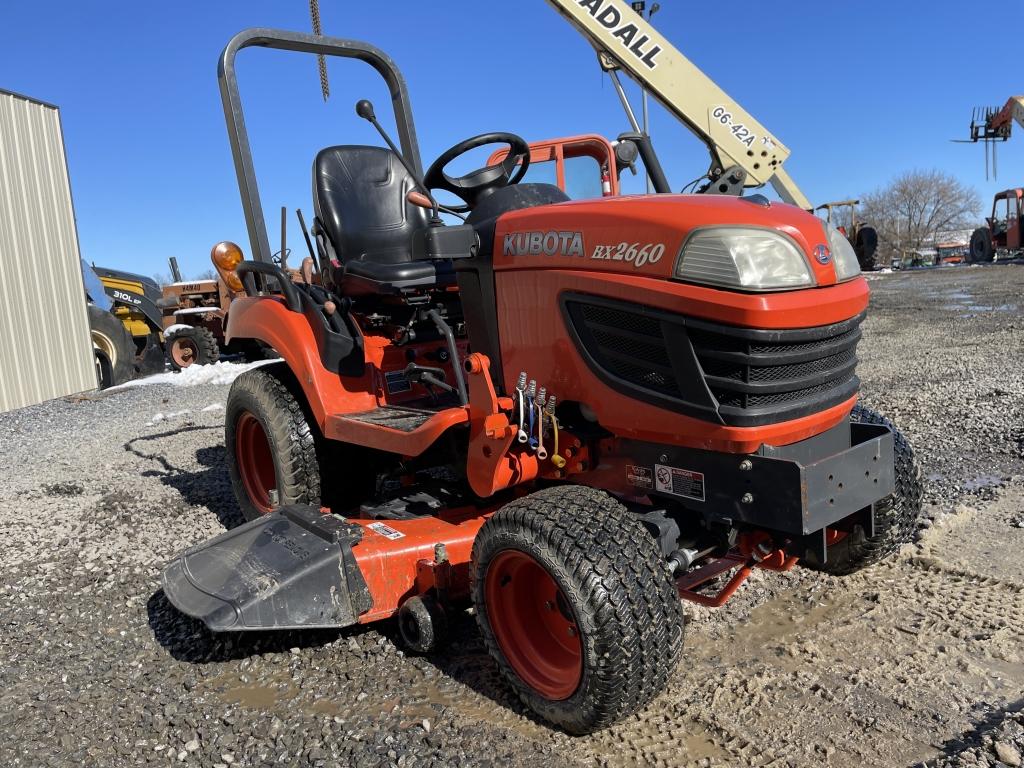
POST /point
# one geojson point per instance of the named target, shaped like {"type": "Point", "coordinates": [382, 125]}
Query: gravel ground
{"type": "Point", "coordinates": [913, 662]}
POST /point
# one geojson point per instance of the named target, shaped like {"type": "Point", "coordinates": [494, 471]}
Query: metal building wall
{"type": "Point", "coordinates": [45, 345]}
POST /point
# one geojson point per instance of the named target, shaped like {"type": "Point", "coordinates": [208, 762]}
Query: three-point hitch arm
{"type": "Point", "coordinates": [743, 152]}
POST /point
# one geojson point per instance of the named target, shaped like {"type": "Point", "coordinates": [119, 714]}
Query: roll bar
{"type": "Point", "coordinates": [233, 115]}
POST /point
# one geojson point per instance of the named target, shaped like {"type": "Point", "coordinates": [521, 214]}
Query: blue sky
{"type": "Point", "coordinates": [859, 92]}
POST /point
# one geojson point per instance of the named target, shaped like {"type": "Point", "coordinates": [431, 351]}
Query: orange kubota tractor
{"type": "Point", "coordinates": [568, 415]}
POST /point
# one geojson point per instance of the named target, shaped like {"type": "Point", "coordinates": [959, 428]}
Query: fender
{"type": "Point", "coordinates": [268, 320]}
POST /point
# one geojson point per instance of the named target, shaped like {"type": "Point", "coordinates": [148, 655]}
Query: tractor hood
{"type": "Point", "coordinates": [645, 235]}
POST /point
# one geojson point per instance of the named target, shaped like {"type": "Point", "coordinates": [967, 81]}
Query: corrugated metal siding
{"type": "Point", "coordinates": [45, 346]}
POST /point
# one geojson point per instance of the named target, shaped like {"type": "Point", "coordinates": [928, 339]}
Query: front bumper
{"type": "Point", "coordinates": [796, 489]}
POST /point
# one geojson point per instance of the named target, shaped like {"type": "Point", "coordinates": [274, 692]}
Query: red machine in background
{"type": "Point", "coordinates": [1002, 238]}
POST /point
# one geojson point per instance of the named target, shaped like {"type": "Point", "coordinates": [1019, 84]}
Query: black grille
{"type": "Point", "coordinates": [631, 346]}
{"type": "Point", "coordinates": [753, 376]}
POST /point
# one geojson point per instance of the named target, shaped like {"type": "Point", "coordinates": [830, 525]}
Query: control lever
{"type": "Point", "coordinates": [432, 376]}
{"type": "Point", "coordinates": [422, 201]}
{"type": "Point", "coordinates": [305, 235]}
{"type": "Point", "coordinates": [284, 239]}
{"type": "Point", "coordinates": [364, 108]}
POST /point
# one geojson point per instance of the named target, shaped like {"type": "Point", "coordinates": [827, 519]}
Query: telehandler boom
{"type": "Point", "coordinates": [743, 152]}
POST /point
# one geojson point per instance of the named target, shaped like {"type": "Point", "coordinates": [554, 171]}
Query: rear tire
{"type": "Point", "coordinates": [576, 605]}
{"type": "Point", "coordinates": [191, 346]}
{"type": "Point", "coordinates": [113, 348]}
{"type": "Point", "coordinates": [981, 246]}
{"type": "Point", "coordinates": [896, 516]}
{"type": "Point", "coordinates": [866, 247]}
{"type": "Point", "coordinates": [270, 446]}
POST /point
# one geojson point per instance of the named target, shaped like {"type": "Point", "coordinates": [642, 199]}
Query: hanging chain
{"type": "Point", "coordinates": [314, 12]}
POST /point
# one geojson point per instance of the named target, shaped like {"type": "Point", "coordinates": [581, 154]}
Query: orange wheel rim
{"type": "Point", "coordinates": [184, 352]}
{"type": "Point", "coordinates": [833, 536]}
{"type": "Point", "coordinates": [533, 624]}
{"type": "Point", "coordinates": [255, 461]}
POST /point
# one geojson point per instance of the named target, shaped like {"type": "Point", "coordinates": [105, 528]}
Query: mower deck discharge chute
{"type": "Point", "coordinates": [289, 570]}
{"type": "Point", "coordinates": [567, 414]}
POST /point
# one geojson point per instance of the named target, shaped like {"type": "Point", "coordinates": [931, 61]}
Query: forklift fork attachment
{"type": "Point", "coordinates": [293, 569]}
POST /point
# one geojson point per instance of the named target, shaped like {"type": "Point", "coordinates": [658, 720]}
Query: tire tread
{"type": "Point", "coordinates": [618, 583]}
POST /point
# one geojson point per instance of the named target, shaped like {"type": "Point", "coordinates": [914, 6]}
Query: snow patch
{"type": "Point", "coordinates": [213, 407]}
{"type": "Point", "coordinates": [197, 375]}
{"type": "Point", "coordinates": [175, 328]}
{"type": "Point", "coordinates": [159, 417]}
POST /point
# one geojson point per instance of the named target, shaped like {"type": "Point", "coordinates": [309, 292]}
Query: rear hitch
{"type": "Point", "coordinates": [755, 550]}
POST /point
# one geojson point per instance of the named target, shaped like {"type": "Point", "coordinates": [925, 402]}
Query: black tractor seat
{"type": "Point", "coordinates": [365, 225]}
{"type": "Point", "coordinates": [362, 277]}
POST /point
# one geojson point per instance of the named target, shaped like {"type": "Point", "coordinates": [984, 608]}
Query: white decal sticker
{"type": "Point", "coordinates": [679, 482]}
{"type": "Point", "coordinates": [637, 254]}
{"type": "Point", "coordinates": [386, 531]}
{"type": "Point", "coordinates": [126, 297]}
{"type": "Point", "coordinates": [743, 135]}
{"type": "Point", "coordinates": [641, 477]}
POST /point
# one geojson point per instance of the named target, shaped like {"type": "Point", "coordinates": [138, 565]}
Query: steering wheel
{"type": "Point", "coordinates": [475, 186]}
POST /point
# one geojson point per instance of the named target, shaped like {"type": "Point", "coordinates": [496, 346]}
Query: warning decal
{"type": "Point", "coordinates": [397, 382]}
{"type": "Point", "coordinates": [641, 477]}
{"type": "Point", "coordinates": [386, 531]}
{"type": "Point", "coordinates": [679, 482]}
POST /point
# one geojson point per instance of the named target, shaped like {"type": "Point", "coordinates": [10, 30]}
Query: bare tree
{"type": "Point", "coordinates": [916, 206]}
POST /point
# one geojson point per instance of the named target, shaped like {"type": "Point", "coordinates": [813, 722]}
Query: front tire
{"type": "Point", "coordinates": [271, 447]}
{"type": "Point", "coordinates": [191, 346]}
{"type": "Point", "coordinates": [113, 348]}
{"type": "Point", "coordinates": [896, 516]}
{"type": "Point", "coordinates": [576, 606]}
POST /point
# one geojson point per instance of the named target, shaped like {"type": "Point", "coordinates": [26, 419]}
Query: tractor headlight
{"type": "Point", "coordinates": [843, 255]}
{"type": "Point", "coordinates": [743, 257]}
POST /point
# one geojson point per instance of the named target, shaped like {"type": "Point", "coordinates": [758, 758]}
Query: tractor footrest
{"type": "Point", "coordinates": [394, 417]}
{"type": "Point", "coordinates": [293, 569]}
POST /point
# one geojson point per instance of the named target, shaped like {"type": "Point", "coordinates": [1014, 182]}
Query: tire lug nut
{"type": "Point", "coordinates": [746, 465]}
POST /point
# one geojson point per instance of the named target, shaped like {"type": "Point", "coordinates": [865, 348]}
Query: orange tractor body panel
{"type": "Point", "coordinates": [531, 410]}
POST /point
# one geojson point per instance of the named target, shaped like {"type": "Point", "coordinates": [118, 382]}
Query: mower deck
{"type": "Point", "coordinates": [299, 568]}
{"type": "Point", "coordinates": [293, 569]}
